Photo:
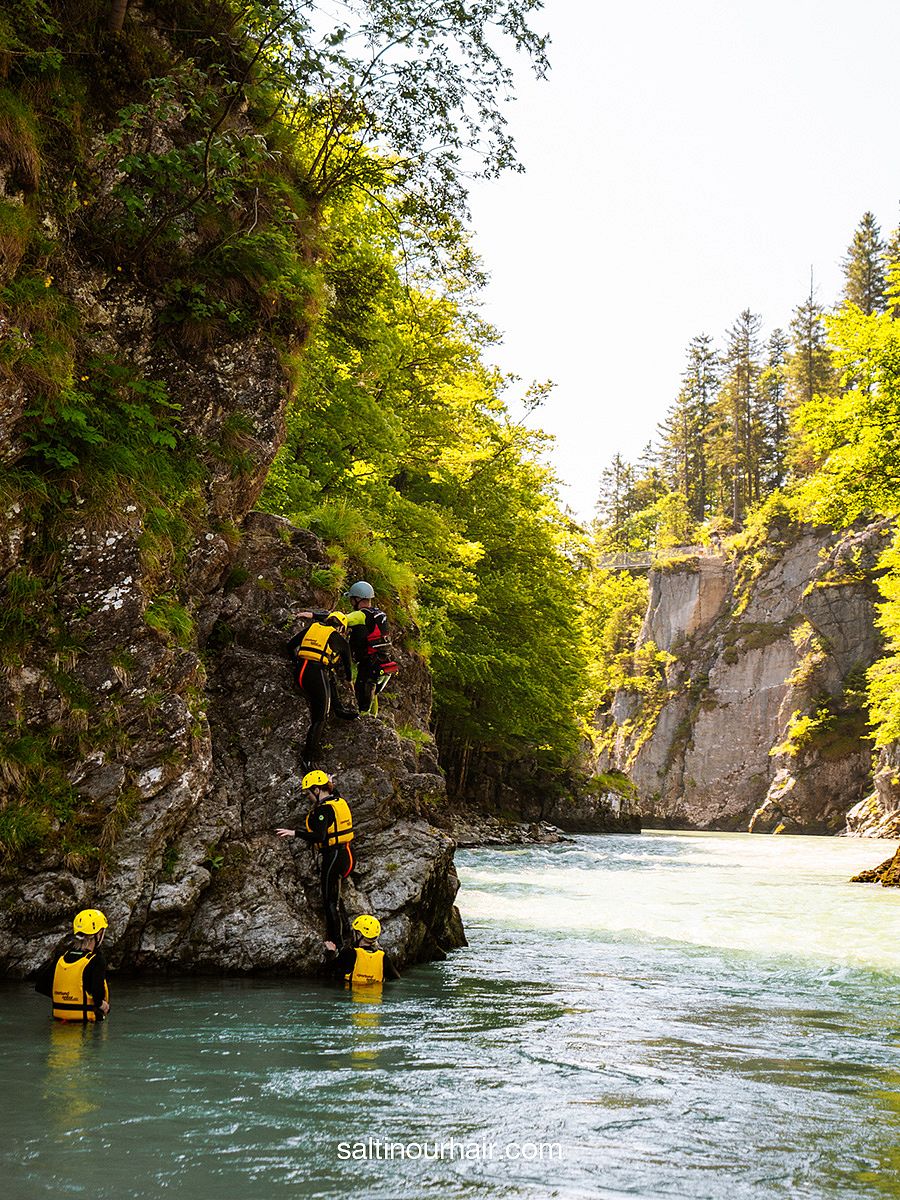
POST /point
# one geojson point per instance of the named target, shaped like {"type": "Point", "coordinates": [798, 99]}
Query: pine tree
{"type": "Point", "coordinates": [685, 432]}
{"type": "Point", "coordinates": [809, 368]}
{"type": "Point", "coordinates": [736, 433]}
{"type": "Point", "coordinates": [614, 502]}
{"type": "Point", "coordinates": [892, 273]}
{"type": "Point", "coordinates": [864, 267]}
{"type": "Point", "coordinates": [772, 414]}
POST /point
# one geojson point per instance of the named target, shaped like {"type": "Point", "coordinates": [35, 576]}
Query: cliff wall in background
{"type": "Point", "coordinates": [755, 719]}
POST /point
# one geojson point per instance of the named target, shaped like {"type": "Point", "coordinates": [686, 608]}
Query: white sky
{"type": "Point", "coordinates": [685, 160]}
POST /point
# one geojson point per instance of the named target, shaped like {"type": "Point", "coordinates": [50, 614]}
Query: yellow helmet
{"type": "Point", "coordinates": [339, 617]}
{"type": "Point", "coordinates": [90, 921]}
{"type": "Point", "coordinates": [369, 927]}
{"type": "Point", "coordinates": [315, 779]}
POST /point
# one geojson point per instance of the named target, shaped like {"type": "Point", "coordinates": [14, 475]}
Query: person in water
{"type": "Point", "coordinates": [363, 962]}
{"type": "Point", "coordinates": [369, 641]}
{"type": "Point", "coordinates": [315, 653]}
{"type": "Point", "coordinates": [329, 828]}
{"type": "Point", "coordinates": [76, 981]}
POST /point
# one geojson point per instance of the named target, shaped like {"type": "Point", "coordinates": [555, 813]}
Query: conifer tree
{"type": "Point", "coordinates": [614, 499]}
{"type": "Point", "coordinates": [736, 429]}
{"type": "Point", "coordinates": [892, 273]}
{"type": "Point", "coordinates": [699, 383]}
{"type": "Point", "coordinates": [864, 267]}
{"type": "Point", "coordinates": [773, 411]}
{"type": "Point", "coordinates": [809, 368]}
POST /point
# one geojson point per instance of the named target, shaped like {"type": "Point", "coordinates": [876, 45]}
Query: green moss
{"type": "Point", "coordinates": [418, 737]}
{"type": "Point", "coordinates": [613, 781]}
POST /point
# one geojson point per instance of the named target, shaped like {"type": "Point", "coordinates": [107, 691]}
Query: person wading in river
{"type": "Point", "coordinates": [362, 963]}
{"type": "Point", "coordinates": [329, 827]}
{"type": "Point", "coordinates": [315, 652]}
{"type": "Point", "coordinates": [76, 981]}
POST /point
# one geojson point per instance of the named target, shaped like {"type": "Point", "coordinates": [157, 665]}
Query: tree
{"type": "Point", "coordinates": [399, 95]}
{"type": "Point", "coordinates": [809, 368]}
{"type": "Point", "coordinates": [864, 267]}
{"type": "Point", "coordinates": [614, 499]}
{"type": "Point", "coordinates": [737, 431]}
{"type": "Point", "coordinates": [686, 428]}
{"type": "Point", "coordinates": [772, 415]}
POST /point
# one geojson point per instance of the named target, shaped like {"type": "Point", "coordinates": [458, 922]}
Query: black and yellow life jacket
{"type": "Point", "coordinates": [314, 645]}
{"type": "Point", "coordinates": [70, 1001]}
{"type": "Point", "coordinates": [368, 968]}
{"type": "Point", "coordinates": [342, 831]}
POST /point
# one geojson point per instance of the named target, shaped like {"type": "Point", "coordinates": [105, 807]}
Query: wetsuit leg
{"type": "Point", "coordinates": [313, 682]}
{"type": "Point", "coordinates": [337, 863]}
{"type": "Point", "coordinates": [366, 678]}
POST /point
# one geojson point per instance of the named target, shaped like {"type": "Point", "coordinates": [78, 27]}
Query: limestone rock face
{"type": "Point", "coordinates": [683, 602]}
{"type": "Point", "coordinates": [194, 877]}
{"type": "Point", "coordinates": [878, 815]}
{"type": "Point", "coordinates": [757, 722]}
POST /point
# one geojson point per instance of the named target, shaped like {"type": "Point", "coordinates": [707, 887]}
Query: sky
{"type": "Point", "coordinates": [685, 160]}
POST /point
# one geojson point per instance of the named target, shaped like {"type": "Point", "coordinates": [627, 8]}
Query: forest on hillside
{"type": "Point", "coordinates": [802, 425]}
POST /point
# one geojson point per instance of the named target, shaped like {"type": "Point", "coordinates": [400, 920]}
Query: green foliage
{"type": "Point", "coordinates": [884, 675]}
{"type": "Point", "coordinates": [852, 440]}
{"type": "Point", "coordinates": [214, 859]}
{"type": "Point", "coordinates": [418, 737]}
{"type": "Point", "coordinates": [170, 618]}
{"type": "Point", "coordinates": [614, 607]}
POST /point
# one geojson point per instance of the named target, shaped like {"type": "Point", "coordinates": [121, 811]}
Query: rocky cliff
{"type": "Point", "coordinates": [485, 788]}
{"type": "Point", "coordinates": [148, 724]}
{"type": "Point", "coordinates": [187, 760]}
{"type": "Point", "coordinates": [752, 716]}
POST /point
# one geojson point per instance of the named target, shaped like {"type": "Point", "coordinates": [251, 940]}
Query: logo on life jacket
{"type": "Point", "coordinates": [314, 645]}
{"type": "Point", "coordinates": [70, 1000]}
{"type": "Point", "coordinates": [368, 968]}
{"type": "Point", "coordinates": [342, 831]}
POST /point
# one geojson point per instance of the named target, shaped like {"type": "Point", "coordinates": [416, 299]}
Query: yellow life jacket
{"type": "Point", "coordinates": [342, 833]}
{"type": "Point", "coordinates": [70, 1000]}
{"type": "Point", "coordinates": [314, 645]}
{"type": "Point", "coordinates": [368, 968]}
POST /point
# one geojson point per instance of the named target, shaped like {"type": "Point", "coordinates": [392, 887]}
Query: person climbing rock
{"type": "Point", "coordinates": [76, 981]}
{"type": "Point", "coordinates": [363, 962]}
{"type": "Point", "coordinates": [329, 828]}
{"type": "Point", "coordinates": [315, 652]}
{"type": "Point", "coordinates": [369, 641]}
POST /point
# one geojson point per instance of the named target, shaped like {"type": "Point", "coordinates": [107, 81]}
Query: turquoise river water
{"type": "Point", "coordinates": [671, 1015]}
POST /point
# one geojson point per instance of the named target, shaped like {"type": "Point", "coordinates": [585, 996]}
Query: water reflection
{"type": "Point", "coordinates": [365, 1014]}
{"type": "Point", "coordinates": [71, 1083]}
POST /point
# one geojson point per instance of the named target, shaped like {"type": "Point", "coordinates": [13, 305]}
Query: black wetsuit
{"type": "Point", "coordinates": [93, 980]}
{"type": "Point", "coordinates": [318, 685]}
{"type": "Point", "coordinates": [367, 643]}
{"type": "Point", "coordinates": [337, 863]}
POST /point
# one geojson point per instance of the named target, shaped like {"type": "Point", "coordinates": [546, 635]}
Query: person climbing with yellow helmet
{"type": "Point", "coordinates": [329, 828]}
{"type": "Point", "coordinates": [362, 963]}
{"type": "Point", "coordinates": [315, 653]}
{"type": "Point", "coordinates": [76, 980]}
{"type": "Point", "coordinates": [369, 641]}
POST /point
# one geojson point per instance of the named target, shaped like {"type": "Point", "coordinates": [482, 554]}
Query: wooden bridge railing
{"type": "Point", "coordinates": [635, 559]}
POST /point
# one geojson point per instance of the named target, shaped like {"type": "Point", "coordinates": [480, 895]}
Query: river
{"type": "Point", "coordinates": [712, 1016]}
